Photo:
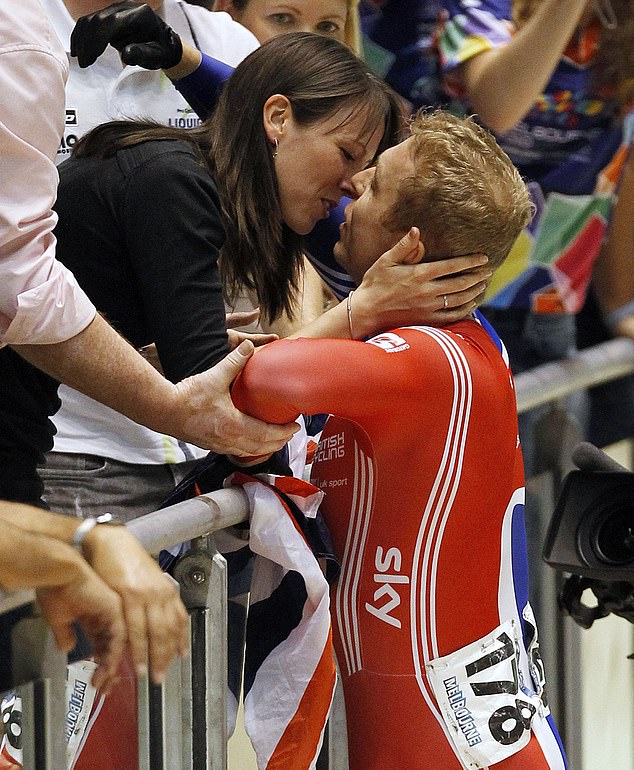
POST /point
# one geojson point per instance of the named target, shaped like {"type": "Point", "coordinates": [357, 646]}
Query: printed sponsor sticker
{"type": "Point", "coordinates": [80, 696]}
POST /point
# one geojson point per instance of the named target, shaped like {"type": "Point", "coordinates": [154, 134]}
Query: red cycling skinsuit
{"type": "Point", "coordinates": [423, 477]}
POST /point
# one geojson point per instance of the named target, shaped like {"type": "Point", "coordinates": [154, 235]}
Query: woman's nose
{"type": "Point", "coordinates": [358, 183]}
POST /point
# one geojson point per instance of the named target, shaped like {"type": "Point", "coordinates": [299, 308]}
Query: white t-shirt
{"type": "Point", "coordinates": [108, 90]}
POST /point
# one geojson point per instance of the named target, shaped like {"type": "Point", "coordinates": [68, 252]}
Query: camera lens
{"type": "Point", "coordinates": [613, 538]}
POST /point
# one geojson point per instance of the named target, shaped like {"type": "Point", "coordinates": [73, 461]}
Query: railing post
{"type": "Point", "coordinates": [202, 574]}
{"type": "Point", "coordinates": [334, 755]}
{"type": "Point", "coordinates": [555, 434]}
{"type": "Point", "coordinates": [37, 659]}
{"type": "Point", "coordinates": [143, 722]}
{"type": "Point", "coordinates": [160, 722]}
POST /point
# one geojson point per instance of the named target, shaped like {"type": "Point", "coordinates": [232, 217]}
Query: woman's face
{"type": "Point", "coordinates": [270, 18]}
{"type": "Point", "coordinates": [315, 164]}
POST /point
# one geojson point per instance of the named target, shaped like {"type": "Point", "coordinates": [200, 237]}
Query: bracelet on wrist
{"type": "Point", "coordinates": [87, 525]}
{"type": "Point", "coordinates": [349, 309]}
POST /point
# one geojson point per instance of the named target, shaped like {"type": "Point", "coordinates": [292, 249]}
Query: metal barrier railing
{"type": "Point", "coordinates": [195, 687]}
{"type": "Point", "coordinates": [586, 368]}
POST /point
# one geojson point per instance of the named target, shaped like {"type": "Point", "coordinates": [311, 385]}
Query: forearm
{"type": "Point", "coordinates": [504, 83]}
{"type": "Point", "coordinates": [189, 63]}
{"type": "Point", "coordinates": [333, 324]}
{"type": "Point", "coordinates": [199, 79]}
{"type": "Point", "coordinates": [312, 376]}
{"type": "Point", "coordinates": [32, 560]}
{"type": "Point", "coordinates": [36, 521]}
{"type": "Point", "coordinates": [358, 322]}
{"type": "Point", "coordinates": [308, 307]}
{"type": "Point", "coordinates": [613, 274]}
{"type": "Point", "coordinates": [101, 364]}
{"type": "Point", "coordinates": [400, 290]}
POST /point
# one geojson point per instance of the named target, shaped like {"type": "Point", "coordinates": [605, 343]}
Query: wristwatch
{"type": "Point", "coordinates": [89, 524]}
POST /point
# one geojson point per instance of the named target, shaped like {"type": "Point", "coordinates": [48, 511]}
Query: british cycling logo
{"type": "Point", "coordinates": [389, 342]}
{"type": "Point", "coordinates": [331, 448]}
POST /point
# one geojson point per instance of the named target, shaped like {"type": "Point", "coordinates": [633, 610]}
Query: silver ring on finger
{"type": "Point", "coordinates": [445, 304]}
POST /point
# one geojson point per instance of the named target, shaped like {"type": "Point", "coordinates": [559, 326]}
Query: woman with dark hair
{"type": "Point", "coordinates": [175, 218]}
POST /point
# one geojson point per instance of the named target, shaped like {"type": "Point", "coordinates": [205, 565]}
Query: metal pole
{"type": "Point", "coordinates": [336, 739]}
{"type": "Point", "coordinates": [143, 722]}
{"type": "Point", "coordinates": [162, 743]}
{"type": "Point", "coordinates": [190, 519]}
{"type": "Point", "coordinates": [36, 658]}
{"type": "Point", "coordinates": [593, 366]}
{"type": "Point", "coordinates": [202, 574]}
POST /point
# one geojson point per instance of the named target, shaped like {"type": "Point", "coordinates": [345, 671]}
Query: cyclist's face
{"type": "Point", "coordinates": [366, 232]}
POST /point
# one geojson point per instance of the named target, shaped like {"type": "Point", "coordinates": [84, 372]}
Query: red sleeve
{"type": "Point", "coordinates": [311, 376]}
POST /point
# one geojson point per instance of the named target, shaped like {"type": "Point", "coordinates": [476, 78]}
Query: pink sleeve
{"type": "Point", "coordinates": [40, 300]}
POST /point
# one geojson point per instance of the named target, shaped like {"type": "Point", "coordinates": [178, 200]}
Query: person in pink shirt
{"type": "Point", "coordinates": [44, 314]}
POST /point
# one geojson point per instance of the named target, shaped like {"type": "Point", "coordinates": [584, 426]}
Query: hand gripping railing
{"type": "Point", "coordinates": [182, 724]}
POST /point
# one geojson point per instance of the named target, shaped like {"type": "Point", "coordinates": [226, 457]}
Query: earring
{"type": "Point", "coordinates": [277, 147]}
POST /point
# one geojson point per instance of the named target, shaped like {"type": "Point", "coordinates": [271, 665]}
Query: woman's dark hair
{"type": "Point", "coordinates": [319, 76]}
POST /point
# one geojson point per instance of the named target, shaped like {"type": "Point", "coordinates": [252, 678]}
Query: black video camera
{"type": "Point", "coordinates": [591, 535]}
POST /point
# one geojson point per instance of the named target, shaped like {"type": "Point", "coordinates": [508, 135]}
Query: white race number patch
{"type": "Point", "coordinates": [483, 698]}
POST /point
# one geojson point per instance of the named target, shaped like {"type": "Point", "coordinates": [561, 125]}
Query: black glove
{"type": "Point", "coordinates": [140, 36]}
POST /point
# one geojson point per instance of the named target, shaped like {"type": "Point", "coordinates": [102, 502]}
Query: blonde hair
{"type": "Point", "coordinates": [613, 69]}
{"type": "Point", "coordinates": [466, 196]}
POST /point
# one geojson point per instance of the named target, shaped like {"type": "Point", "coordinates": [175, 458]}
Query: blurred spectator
{"type": "Point", "coordinates": [266, 19]}
{"type": "Point", "coordinates": [111, 90]}
{"type": "Point", "coordinates": [609, 311]}
{"type": "Point", "coordinates": [399, 44]}
{"type": "Point", "coordinates": [43, 312]}
{"type": "Point", "coordinates": [559, 115]}
{"type": "Point", "coordinates": [564, 118]}
{"type": "Point", "coordinates": [613, 278]}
